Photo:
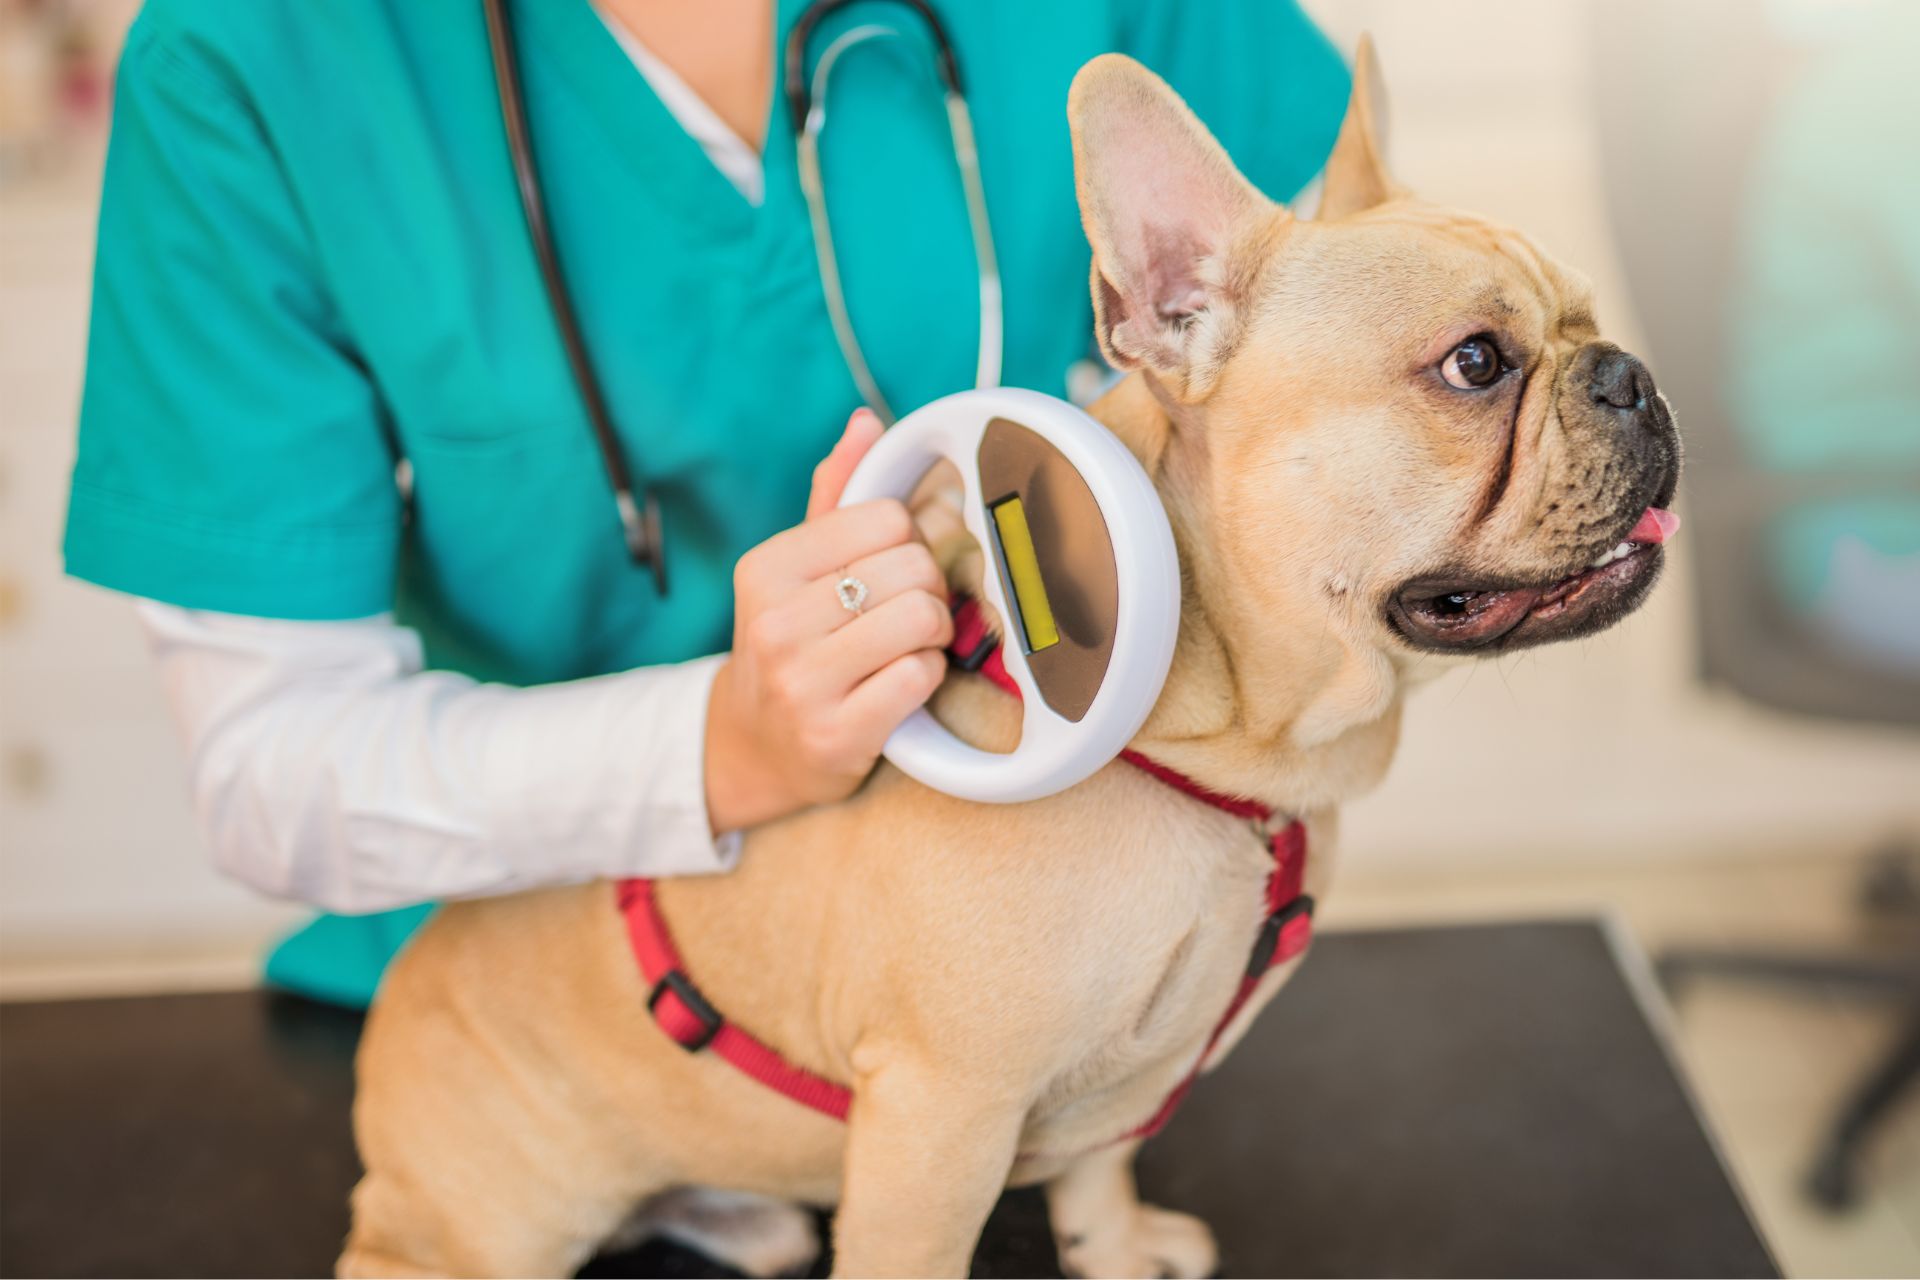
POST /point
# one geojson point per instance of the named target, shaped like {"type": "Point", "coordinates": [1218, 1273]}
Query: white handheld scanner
{"type": "Point", "coordinates": [1081, 569]}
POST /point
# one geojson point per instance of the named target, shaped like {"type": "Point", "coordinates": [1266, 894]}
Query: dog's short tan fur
{"type": "Point", "coordinates": [1006, 989]}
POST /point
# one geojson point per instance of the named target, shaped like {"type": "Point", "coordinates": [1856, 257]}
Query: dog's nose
{"type": "Point", "coordinates": [1621, 381]}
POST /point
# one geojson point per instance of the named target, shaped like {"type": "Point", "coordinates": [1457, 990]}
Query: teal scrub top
{"type": "Point", "coordinates": [313, 265]}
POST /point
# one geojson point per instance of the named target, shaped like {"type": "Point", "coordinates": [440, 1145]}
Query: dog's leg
{"type": "Point", "coordinates": [390, 1235]}
{"type": "Point", "coordinates": [534, 1228]}
{"type": "Point", "coordinates": [1101, 1228]}
{"type": "Point", "coordinates": [928, 1152]}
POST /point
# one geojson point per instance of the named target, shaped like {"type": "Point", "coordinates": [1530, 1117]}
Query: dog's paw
{"type": "Point", "coordinates": [752, 1234]}
{"type": "Point", "coordinates": [1148, 1243]}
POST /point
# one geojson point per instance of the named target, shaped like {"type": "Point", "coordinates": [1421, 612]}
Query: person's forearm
{"type": "Point", "coordinates": [328, 767]}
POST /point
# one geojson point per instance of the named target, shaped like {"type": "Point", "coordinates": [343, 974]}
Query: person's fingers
{"type": "Point", "coordinates": [806, 615]}
{"type": "Point", "coordinates": [910, 621]}
{"type": "Point", "coordinates": [830, 476]}
{"type": "Point", "coordinates": [879, 703]}
{"type": "Point", "coordinates": [907, 567]}
{"type": "Point", "coordinates": [829, 542]}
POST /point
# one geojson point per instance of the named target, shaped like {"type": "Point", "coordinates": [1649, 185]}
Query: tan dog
{"type": "Point", "coordinates": [1383, 434]}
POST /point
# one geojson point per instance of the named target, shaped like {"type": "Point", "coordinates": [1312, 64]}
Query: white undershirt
{"type": "Point", "coordinates": [726, 150]}
{"type": "Point", "coordinates": [327, 766]}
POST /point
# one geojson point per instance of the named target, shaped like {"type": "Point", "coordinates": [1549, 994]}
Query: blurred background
{"type": "Point", "coordinates": [1735, 771]}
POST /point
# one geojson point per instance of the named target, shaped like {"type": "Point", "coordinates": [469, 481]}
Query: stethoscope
{"type": "Point", "coordinates": [640, 520]}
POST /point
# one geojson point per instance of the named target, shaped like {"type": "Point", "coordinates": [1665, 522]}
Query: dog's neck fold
{"type": "Point", "coordinates": [1285, 711]}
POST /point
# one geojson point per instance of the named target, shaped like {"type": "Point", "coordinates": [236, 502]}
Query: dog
{"type": "Point", "coordinates": [1387, 438]}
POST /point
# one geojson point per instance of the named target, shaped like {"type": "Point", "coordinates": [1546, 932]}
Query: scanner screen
{"type": "Point", "coordinates": [1055, 562]}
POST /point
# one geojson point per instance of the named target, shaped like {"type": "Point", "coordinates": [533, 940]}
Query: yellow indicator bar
{"type": "Point", "coordinates": [1023, 566]}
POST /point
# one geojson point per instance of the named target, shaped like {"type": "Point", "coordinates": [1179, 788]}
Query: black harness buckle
{"type": "Point", "coordinates": [677, 982]}
{"type": "Point", "coordinates": [1268, 940]}
{"type": "Point", "coordinates": [975, 658]}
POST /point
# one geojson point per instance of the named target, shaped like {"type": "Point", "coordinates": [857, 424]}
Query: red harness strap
{"type": "Point", "coordinates": [694, 1024]}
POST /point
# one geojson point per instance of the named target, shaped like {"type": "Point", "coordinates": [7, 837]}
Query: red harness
{"type": "Point", "coordinates": [694, 1024]}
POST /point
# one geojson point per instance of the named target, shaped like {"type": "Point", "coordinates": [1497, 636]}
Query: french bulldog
{"type": "Point", "coordinates": [1386, 437]}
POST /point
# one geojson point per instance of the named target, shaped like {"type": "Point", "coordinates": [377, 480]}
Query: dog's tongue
{"type": "Point", "coordinates": [1655, 527]}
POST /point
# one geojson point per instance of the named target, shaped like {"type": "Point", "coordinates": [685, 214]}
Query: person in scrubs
{"type": "Point", "coordinates": [330, 441]}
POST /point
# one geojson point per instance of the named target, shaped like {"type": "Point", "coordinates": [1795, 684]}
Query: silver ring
{"type": "Point", "coordinates": [852, 593]}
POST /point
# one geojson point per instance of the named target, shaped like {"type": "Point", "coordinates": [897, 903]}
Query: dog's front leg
{"type": "Point", "coordinates": [1101, 1228]}
{"type": "Point", "coordinates": [927, 1155]}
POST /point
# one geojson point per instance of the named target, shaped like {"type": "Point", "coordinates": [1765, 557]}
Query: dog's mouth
{"type": "Point", "coordinates": [1452, 615]}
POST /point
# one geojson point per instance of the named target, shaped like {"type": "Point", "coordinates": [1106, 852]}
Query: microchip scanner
{"type": "Point", "coordinates": [1080, 568]}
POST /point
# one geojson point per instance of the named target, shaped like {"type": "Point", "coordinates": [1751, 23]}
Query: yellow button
{"type": "Point", "coordinates": [1023, 566]}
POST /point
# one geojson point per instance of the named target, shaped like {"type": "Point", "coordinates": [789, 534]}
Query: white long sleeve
{"type": "Point", "coordinates": [328, 767]}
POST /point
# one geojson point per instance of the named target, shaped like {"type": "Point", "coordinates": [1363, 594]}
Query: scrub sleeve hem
{"type": "Point", "coordinates": [339, 960]}
{"type": "Point", "coordinates": [317, 574]}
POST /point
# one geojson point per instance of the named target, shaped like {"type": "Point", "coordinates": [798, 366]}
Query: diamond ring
{"type": "Point", "coordinates": [852, 593]}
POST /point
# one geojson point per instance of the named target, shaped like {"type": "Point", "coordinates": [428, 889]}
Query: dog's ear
{"type": "Point", "coordinates": [1356, 176]}
{"type": "Point", "coordinates": [1171, 221]}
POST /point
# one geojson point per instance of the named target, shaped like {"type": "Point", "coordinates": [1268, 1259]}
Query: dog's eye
{"type": "Point", "coordinates": [1474, 363]}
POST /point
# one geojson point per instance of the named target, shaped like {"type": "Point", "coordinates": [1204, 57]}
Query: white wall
{"type": "Point", "coordinates": [1592, 752]}
{"type": "Point", "coordinates": [98, 852]}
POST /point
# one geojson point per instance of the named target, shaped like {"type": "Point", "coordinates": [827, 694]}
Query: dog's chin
{"type": "Point", "coordinates": [1458, 613]}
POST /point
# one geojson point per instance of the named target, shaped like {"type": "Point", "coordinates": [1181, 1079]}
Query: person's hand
{"type": "Point", "coordinates": [803, 704]}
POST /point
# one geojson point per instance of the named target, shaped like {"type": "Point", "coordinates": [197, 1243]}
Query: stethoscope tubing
{"type": "Point", "coordinates": [640, 519]}
{"type": "Point", "coordinates": [807, 99]}
{"type": "Point", "coordinates": [640, 523]}
{"type": "Point", "coordinates": [801, 91]}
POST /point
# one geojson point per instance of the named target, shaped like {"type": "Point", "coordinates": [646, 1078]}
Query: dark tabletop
{"type": "Point", "coordinates": [1473, 1101]}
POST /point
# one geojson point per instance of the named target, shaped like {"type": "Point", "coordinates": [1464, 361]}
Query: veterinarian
{"type": "Point", "coordinates": [332, 442]}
